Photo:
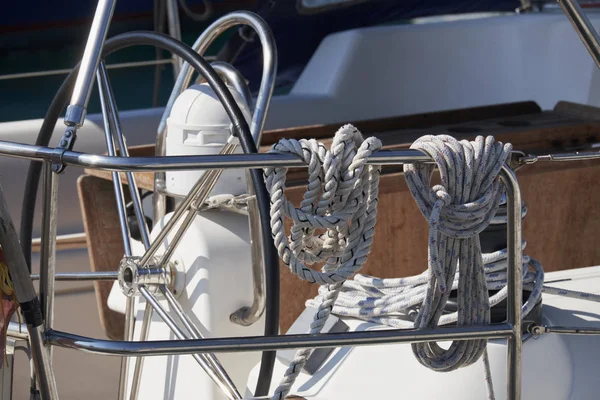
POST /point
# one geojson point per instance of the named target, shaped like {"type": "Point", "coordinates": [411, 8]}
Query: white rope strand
{"type": "Point", "coordinates": [458, 210]}
{"type": "Point", "coordinates": [341, 198]}
{"type": "Point", "coordinates": [393, 301]}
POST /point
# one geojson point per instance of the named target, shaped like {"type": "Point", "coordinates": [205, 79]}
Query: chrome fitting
{"type": "Point", "coordinates": [537, 330]}
{"type": "Point", "coordinates": [132, 275]}
{"type": "Point", "coordinates": [75, 115]}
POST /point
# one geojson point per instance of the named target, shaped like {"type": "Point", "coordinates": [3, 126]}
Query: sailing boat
{"type": "Point", "coordinates": [162, 282]}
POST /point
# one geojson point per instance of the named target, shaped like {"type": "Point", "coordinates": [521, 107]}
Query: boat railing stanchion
{"type": "Point", "coordinates": [515, 283]}
{"type": "Point", "coordinates": [28, 301]}
{"type": "Point", "coordinates": [48, 247]}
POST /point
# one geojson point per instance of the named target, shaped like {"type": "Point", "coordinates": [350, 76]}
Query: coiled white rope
{"type": "Point", "coordinates": [394, 302]}
{"type": "Point", "coordinates": [457, 210]}
{"type": "Point", "coordinates": [341, 199]}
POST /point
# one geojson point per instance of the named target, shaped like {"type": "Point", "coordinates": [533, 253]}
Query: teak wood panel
{"type": "Point", "coordinates": [105, 245]}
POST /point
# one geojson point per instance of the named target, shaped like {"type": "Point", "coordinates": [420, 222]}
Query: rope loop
{"type": "Point", "coordinates": [439, 194]}
{"type": "Point", "coordinates": [341, 198]}
{"type": "Point", "coordinates": [458, 210]}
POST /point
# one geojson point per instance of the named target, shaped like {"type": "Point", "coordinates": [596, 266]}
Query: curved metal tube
{"type": "Point", "coordinates": [279, 342]}
{"type": "Point", "coordinates": [234, 78]}
{"type": "Point", "coordinates": [185, 75]}
{"type": "Point", "coordinates": [269, 67]}
{"type": "Point", "coordinates": [246, 315]}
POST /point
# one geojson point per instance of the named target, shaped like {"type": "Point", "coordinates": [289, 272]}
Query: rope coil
{"type": "Point", "coordinates": [341, 198]}
{"type": "Point", "coordinates": [457, 210]}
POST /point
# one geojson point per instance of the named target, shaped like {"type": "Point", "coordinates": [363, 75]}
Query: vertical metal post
{"type": "Point", "coordinates": [583, 27]}
{"type": "Point", "coordinates": [76, 111]}
{"type": "Point", "coordinates": [42, 362]}
{"type": "Point", "coordinates": [139, 361]}
{"type": "Point", "coordinates": [48, 247]}
{"type": "Point", "coordinates": [515, 283]}
{"type": "Point", "coordinates": [28, 300]}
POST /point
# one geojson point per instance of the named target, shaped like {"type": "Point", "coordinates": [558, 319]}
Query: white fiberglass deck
{"type": "Point", "coordinates": [555, 367]}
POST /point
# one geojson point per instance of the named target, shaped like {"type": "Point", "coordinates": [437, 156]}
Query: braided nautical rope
{"type": "Point", "coordinates": [341, 199]}
{"type": "Point", "coordinates": [457, 210]}
{"type": "Point", "coordinates": [393, 302]}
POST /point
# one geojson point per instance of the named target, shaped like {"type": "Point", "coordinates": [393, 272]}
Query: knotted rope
{"type": "Point", "coordinates": [341, 199]}
{"type": "Point", "coordinates": [457, 210]}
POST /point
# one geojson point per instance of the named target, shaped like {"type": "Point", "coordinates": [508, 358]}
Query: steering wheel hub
{"type": "Point", "coordinates": [132, 275]}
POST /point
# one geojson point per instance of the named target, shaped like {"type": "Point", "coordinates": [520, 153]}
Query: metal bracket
{"type": "Point", "coordinates": [516, 160]}
{"type": "Point", "coordinates": [539, 330]}
{"type": "Point", "coordinates": [66, 144]}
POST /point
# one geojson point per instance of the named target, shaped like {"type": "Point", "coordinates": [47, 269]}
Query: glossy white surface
{"type": "Point", "coordinates": [199, 125]}
{"type": "Point", "coordinates": [555, 367]}
{"type": "Point", "coordinates": [215, 258]}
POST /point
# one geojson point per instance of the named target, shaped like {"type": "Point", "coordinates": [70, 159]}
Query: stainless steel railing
{"type": "Point", "coordinates": [511, 330]}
